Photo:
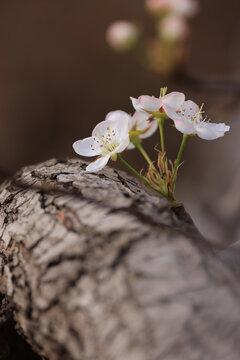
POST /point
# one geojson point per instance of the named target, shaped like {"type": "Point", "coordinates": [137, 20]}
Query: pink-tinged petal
{"type": "Point", "coordinates": [87, 147]}
{"type": "Point", "coordinates": [98, 164]}
{"type": "Point", "coordinates": [171, 113]}
{"type": "Point", "coordinates": [184, 127]}
{"type": "Point", "coordinates": [137, 106]}
{"type": "Point", "coordinates": [124, 144]}
{"type": "Point", "coordinates": [209, 131]}
{"type": "Point", "coordinates": [141, 120]}
{"type": "Point", "coordinates": [150, 103]}
{"type": "Point", "coordinates": [174, 100]}
{"type": "Point", "coordinates": [117, 115]}
{"type": "Point", "coordinates": [131, 146]}
{"type": "Point", "coordinates": [153, 127]}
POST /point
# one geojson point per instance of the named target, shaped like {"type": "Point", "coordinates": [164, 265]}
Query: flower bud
{"type": "Point", "coordinates": [173, 28]}
{"type": "Point", "coordinates": [122, 35]}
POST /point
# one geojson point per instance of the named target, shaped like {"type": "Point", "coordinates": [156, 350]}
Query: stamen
{"type": "Point", "coordinates": [198, 113]}
{"type": "Point", "coordinates": [108, 141]}
{"type": "Point", "coordinates": [163, 91]}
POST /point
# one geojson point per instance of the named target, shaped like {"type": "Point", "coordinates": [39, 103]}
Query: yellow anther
{"type": "Point", "coordinates": [198, 113]}
{"type": "Point", "coordinates": [163, 91]}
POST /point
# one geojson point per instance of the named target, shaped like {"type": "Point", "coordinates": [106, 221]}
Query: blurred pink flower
{"type": "Point", "coordinates": [173, 27]}
{"type": "Point", "coordinates": [158, 5]}
{"type": "Point", "coordinates": [189, 120]}
{"type": "Point", "coordinates": [122, 35]}
{"type": "Point", "coordinates": [187, 8]}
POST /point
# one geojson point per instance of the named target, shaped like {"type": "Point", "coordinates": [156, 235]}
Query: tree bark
{"type": "Point", "coordinates": [94, 267]}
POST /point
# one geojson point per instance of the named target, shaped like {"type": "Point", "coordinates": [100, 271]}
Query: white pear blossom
{"type": "Point", "coordinates": [140, 124]}
{"type": "Point", "coordinates": [189, 120]}
{"type": "Point", "coordinates": [122, 35]}
{"type": "Point", "coordinates": [169, 103]}
{"type": "Point", "coordinates": [108, 139]}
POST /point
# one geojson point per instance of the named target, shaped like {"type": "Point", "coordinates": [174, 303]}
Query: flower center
{"type": "Point", "coordinates": [194, 119]}
{"type": "Point", "coordinates": [108, 143]}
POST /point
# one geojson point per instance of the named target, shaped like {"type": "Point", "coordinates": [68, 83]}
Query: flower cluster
{"type": "Point", "coordinates": [166, 51]}
{"type": "Point", "coordinates": [186, 115]}
{"type": "Point", "coordinates": [121, 131]}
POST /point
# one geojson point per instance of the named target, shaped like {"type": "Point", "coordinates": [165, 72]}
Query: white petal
{"type": "Point", "coordinates": [174, 100]}
{"type": "Point", "coordinates": [117, 115]}
{"type": "Point", "coordinates": [211, 131]}
{"type": "Point", "coordinates": [153, 127]}
{"type": "Point", "coordinates": [184, 127]}
{"type": "Point", "coordinates": [187, 111]}
{"type": "Point", "coordinates": [171, 113]}
{"type": "Point", "coordinates": [189, 108]}
{"type": "Point", "coordinates": [87, 147]}
{"type": "Point", "coordinates": [123, 145]}
{"type": "Point", "coordinates": [150, 103]}
{"type": "Point", "coordinates": [221, 127]}
{"type": "Point", "coordinates": [130, 146]}
{"type": "Point", "coordinates": [98, 164]}
{"type": "Point", "coordinates": [121, 129]}
{"type": "Point", "coordinates": [123, 122]}
{"type": "Point", "coordinates": [102, 128]}
{"type": "Point", "coordinates": [136, 104]}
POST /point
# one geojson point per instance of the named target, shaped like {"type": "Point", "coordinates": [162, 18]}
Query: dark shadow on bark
{"type": "Point", "coordinates": [13, 346]}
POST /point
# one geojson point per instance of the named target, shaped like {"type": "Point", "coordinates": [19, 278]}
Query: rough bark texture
{"type": "Point", "coordinates": [95, 268]}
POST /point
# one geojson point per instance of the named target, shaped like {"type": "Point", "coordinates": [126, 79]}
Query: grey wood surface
{"type": "Point", "coordinates": [93, 267]}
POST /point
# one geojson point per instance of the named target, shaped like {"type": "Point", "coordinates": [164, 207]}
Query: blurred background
{"type": "Point", "coordinates": [59, 78]}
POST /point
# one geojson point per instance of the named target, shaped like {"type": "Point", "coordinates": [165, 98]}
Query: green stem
{"type": "Point", "coordinates": [138, 145]}
{"type": "Point", "coordinates": [177, 163]}
{"type": "Point", "coordinates": [132, 169]}
{"type": "Point", "coordinates": [160, 124]}
{"type": "Point", "coordinates": [143, 179]}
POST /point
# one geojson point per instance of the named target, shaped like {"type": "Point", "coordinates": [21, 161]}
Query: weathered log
{"type": "Point", "coordinates": [96, 268]}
